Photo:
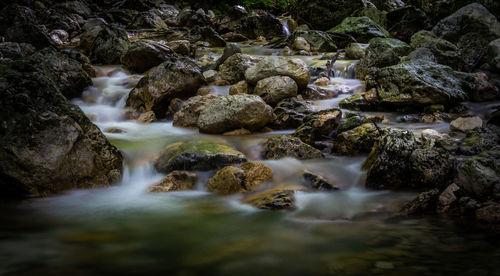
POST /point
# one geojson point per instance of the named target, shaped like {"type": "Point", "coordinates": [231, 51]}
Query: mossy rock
{"type": "Point", "coordinates": [318, 125]}
{"type": "Point", "coordinates": [248, 177]}
{"type": "Point", "coordinates": [361, 28]}
{"type": "Point", "coordinates": [279, 198]}
{"type": "Point", "coordinates": [197, 155]}
{"type": "Point", "coordinates": [175, 181]}
{"type": "Point", "coordinates": [288, 146]}
{"type": "Point", "coordinates": [357, 140]}
{"type": "Point", "coordinates": [479, 175]}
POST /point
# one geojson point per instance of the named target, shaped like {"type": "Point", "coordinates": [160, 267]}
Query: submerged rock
{"type": "Point", "coordinates": [231, 112]}
{"type": "Point", "coordinates": [274, 89]}
{"type": "Point", "coordinates": [177, 77]}
{"type": "Point", "coordinates": [197, 155]}
{"type": "Point", "coordinates": [279, 66]}
{"type": "Point", "coordinates": [361, 28]}
{"type": "Point", "coordinates": [175, 181]}
{"type": "Point", "coordinates": [287, 146]}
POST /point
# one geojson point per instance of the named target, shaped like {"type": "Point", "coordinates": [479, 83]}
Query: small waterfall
{"type": "Point", "coordinates": [286, 30]}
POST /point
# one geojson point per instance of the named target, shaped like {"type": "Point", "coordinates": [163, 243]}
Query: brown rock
{"type": "Point", "coordinates": [175, 181]}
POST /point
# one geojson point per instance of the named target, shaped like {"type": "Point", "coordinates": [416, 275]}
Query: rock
{"type": "Point", "coordinates": [190, 18]}
{"type": "Point", "coordinates": [209, 35]}
{"type": "Point", "coordinates": [274, 89]}
{"type": "Point", "coordinates": [36, 35]}
{"type": "Point", "coordinates": [190, 110]}
{"type": "Point", "coordinates": [318, 125]}
{"type": "Point", "coordinates": [59, 37]}
{"type": "Point", "coordinates": [301, 44]}
{"type": "Point", "coordinates": [356, 140]}
{"type": "Point", "coordinates": [147, 117]}
{"type": "Point", "coordinates": [234, 111]}
{"type": "Point", "coordinates": [210, 75]}
{"type": "Point", "coordinates": [444, 51]}
{"type": "Point", "coordinates": [324, 14]}
{"type": "Point", "coordinates": [356, 50]}
{"type": "Point", "coordinates": [148, 20]}
{"type": "Point", "coordinates": [230, 50]}
{"type": "Point", "coordinates": [493, 55]}
{"type": "Point", "coordinates": [290, 113]}
{"type": "Point", "coordinates": [351, 121]}
{"type": "Point", "coordinates": [228, 180]}
{"type": "Point", "coordinates": [406, 21]}
{"type": "Point", "coordinates": [361, 28]}
{"type": "Point", "coordinates": [381, 52]}
{"type": "Point", "coordinates": [279, 66]}
{"type": "Point", "coordinates": [323, 81]}
{"type": "Point", "coordinates": [472, 48]}
{"type": "Point", "coordinates": [256, 173]}
{"type": "Point", "coordinates": [481, 89]}
{"type": "Point", "coordinates": [14, 50]}
{"type": "Point", "coordinates": [266, 25]}
{"type": "Point", "coordinates": [489, 213]}
{"type": "Point", "coordinates": [175, 78]}
{"type": "Point", "coordinates": [181, 47]}
{"type": "Point", "coordinates": [237, 132]}
{"type": "Point", "coordinates": [47, 144]}
{"type": "Point", "coordinates": [279, 198]}
{"type": "Point", "coordinates": [197, 155]}
{"type": "Point", "coordinates": [287, 146]}
{"type": "Point", "coordinates": [414, 83]}
{"type": "Point", "coordinates": [480, 139]}
{"type": "Point", "coordinates": [240, 87]}
{"type": "Point", "coordinates": [424, 203]}
{"type": "Point", "coordinates": [479, 176]}
{"type": "Point", "coordinates": [175, 181]}
{"type": "Point", "coordinates": [449, 197]}
{"type": "Point", "coordinates": [145, 54]}
{"type": "Point", "coordinates": [473, 18]}
{"type": "Point", "coordinates": [318, 41]}
{"type": "Point", "coordinates": [203, 91]}
{"type": "Point", "coordinates": [465, 124]}
{"type": "Point", "coordinates": [399, 160]}
{"type": "Point", "coordinates": [234, 37]}
{"type": "Point", "coordinates": [109, 45]}
{"type": "Point", "coordinates": [318, 182]}
{"type": "Point", "coordinates": [115, 130]}
{"type": "Point", "coordinates": [233, 69]}
{"type": "Point", "coordinates": [221, 83]}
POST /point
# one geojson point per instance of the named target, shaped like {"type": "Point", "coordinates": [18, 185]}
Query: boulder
{"type": "Point", "coordinates": [288, 146]}
{"type": "Point", "coordinates": [190, 18]}
{"type": "Point", "coordinates": [465, 124]}
{"type": "Point", "coordinates": [279, 66]}
{"type": "Point", "coordinates": [318, 125]}
{"type": "Point", "coordinates": [248, 177]}
{"type": "Point", "coordinates": [109, 45]}
{"type": "Point", "coordinates": [47, 144]}
{"type": "Point", "coordinates": [266, 25]}
{"type": "Point", "coordinates": [279, 198]}
{"type": "Point", "coordinates": [399, 160]}
{"type": "Point", "coordinates": [240, 87]}
{"type": "Point", "coordinates": [290, 113]}
{"type": "Point", "coordinates": [233, 69]}
{"type": "Point", "coordinates": [177, 77]}
{"type": "Point", "coordinates": [318, 182]}
{"type": "Point", "coordinates": [479, 176]}
{"type": "Point", "coordinates": [190, 110]}
{"type": "Point", "coordinates": [405, 21]}
{"type": "Point", "coordinates": [356, 50]}
{"type": "Point", "coordinates": [196, 155]}
{"type": "Point", "coordinates": [207, 34]}
{"type": "Point", "coordinates": [14, 50]}
{"type": "Point", "coordinates": [361, 28]}
{"type": "Point", "coordinates": [324, 14]}
{"type": "Point", "coordinates": [351, 121]}
{"type": "Point", "coordinates": [181, 47]}
{"type": "Point", "coordinates": [443, 51]}
{"type": "Point", "coordinates": [231, 112]}
{"type": "Point", "coordinates": [175, 181]}
{"type": "Point", "coordinates": [317, 40]}
{"type": "Point", "coordinates": [274, 89]}
{"type": "Point", "coordinates": [481, 89]}
{"type": "Point", "coordinates": [300, 43]}
{"type": "Point", "coordinates": [493, 55]}
{"type": "Point", "coordinates": [148, 20]}
{"type": "Point", "coordinates": [256, 173]}
{"type": "Point", "coordinates": [381, 52]}
{"type": "Point", "coordinates": [36, 35]}
{"type": "Point", "coordinates": [143, 55]}
{"type": "Point", "coordinates": [357, 140]}
{"type": "Point", "coordinates": [489, 213]}
{"type": "Point", "coordinates": [424, 203]}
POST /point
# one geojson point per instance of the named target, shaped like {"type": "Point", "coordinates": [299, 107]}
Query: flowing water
{"type": "Point", "coordinates": [124, 230]}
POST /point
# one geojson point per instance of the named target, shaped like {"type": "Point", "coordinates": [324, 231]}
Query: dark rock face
{"type": "Point", "coordinates": [380, 53]}
{"type": "Point", "coordinates": [145, 54]}
{"type": "Point", "coordinates": [266, 25]}
{"type": "Point", "coordinates": [109, 45]}
{"type": "Point", "coordinates": [290, 113]}
{"type": "Point", "coordinates": [398, 160]}
{"type": "Point", "coordinates": [36, 35]}
{"type": "Point", "coordinates": [325, 14]}
{"type": "Point", "coordinates": [318, 125]}
{"type": "Point", "coordinates": [479, 176]}
{"type": "Point", "coordinates": [175, 78]}
{"type": "Point", "coordinates": [405, 21]}
{"type": "Point", "coordinates": [47, 144]}
{"type": "Point", "coordinates": [444, 52]}
{"type": "Point", "coordinates": [361, 28]}
{"type": "Point", "coordinates": [13, 50]}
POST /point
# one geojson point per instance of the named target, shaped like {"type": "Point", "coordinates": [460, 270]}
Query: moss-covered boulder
{"type": "Point", "coordinates": [443, 51]}
{"type": "Point", "coordinates": [356, 50]}
{"type": "Point", "coordinates": [279, 66]}
{"type": "Point", "coordinates": [109, 45]}
{"type": "Point", "coordinates": [479, 176]}
{"type": "Point", "coordinates": [248, 177]}
{"type": "Point", "coordinates": [357, 140]}
{"type": "Point", "coordinates": [318, 125]}
{"type": "Point", "coordinates": [290, 113]}
{"type": "Point", "coordinates": [175, 181]}
{"type": "Point", "coordinates": [287, 146]}
{"type": "Point", "coordinates": [197, 155]}
{"type": "Point", "coordinates": [177, 77]}
{"type": "Point", "coordinates": [324, 14]}
{"type": "Point", "coordinates": [232, 112]}
{"type": "Point", "coordinates": [381, 52]}
{"type": "Point", "coordinates": [279, 198]}
{"type": "Point", "coordinates": [361, 28]}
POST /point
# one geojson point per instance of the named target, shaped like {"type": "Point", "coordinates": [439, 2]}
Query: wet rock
{"type": "Point", "coordinates": [274, 89]}
{"type": "Point", "coordinates": [109, 45]}
{"type": "Point", "coordinates": [324, 14]}
{"type": "Point", "coordinates": [449, 197]}
{"type": "Point", "coordinates": [197, 155]}
{"type": "Point", "coordinates": [210, 75]}
{"type": "Point", "coordinates": [115, 130]}
{"type": "Point", "coordinates": [356, 140]}
{"type": "Point", "coordinates": [175, 78]}
{"type": "Point", "coordinates": [290, 113]}
{"type": "Point", "coordinates": [351, 121]}
{"type": "Point", "coordinates": [361, 28]}
{"type": "Point", "coordinates": [405, 21]}
{"type": "Point", "coordinates": [209, 35]}
{"type": "Point", "coordinates": [237, 132]}
{"type": "Point", "coordinates": [145, 54]}
{"type": "Point", "coordinates": [356, 50]}
{"type": "Point", "coordinates": [279, 66]}
{"type": "Point", "coordinates": [381, 52]}
{"type": "Point", "coordinates": [266, 25]}
{"type": "Point", "coordinates": [465, 124]}
{"type": "Point", "coordinates": [190, 110]}
{"type": "Point", "coordinates": [317, 40]}
{"type": "Point", "coordinates": [47, 144]}
{"type": "Point", "coordinates": [147, 117]}
{"type": "Point", "coordinates": [175, 181]}
{"type": "Point", "coordinates": [279, 198]}
{"type": "Point", "coordinates": [479, 176]}
{"type": "Point", "coordinates": [233, 69]}
{"type": "Point", "coordinates": [234, 111]}
{"type": "Point", "coordinates": [481, 88]}
{"type": "Point", "coordinates": [301, 44]}
{"type": "Point", "coordinates": [190, 18]}
{"type": "Point", "coordinates": [443, 51]}
{"type": "Point", "coordinates": [424, 203]}
{"type": "Point", "coordinates": [14, 50]}
{"type": "Point", "coordinates": [181, 47]}
{"type": "Point", "coordinates": [228, 180]}
{"type": "Point", "coordinates": [36, 35]}
{"type": "Point", "coordinates": [203, 91]}
{"type": "Point", "coordinates": [234, 37]}
{"type": "Point", "coordinates": [240, 87]}
{"type": "Point", "coordinates": [148, 19]}
{"type": "Point", "coordinates": [482, 139]}
{"type": "Point", "coordinates": [318, 182]}
{"type": "Point", "coordinates": [323, 81]}
{"type": "Point", "coordinates": [399, 160]}
{"type": "Point", "coordinates": [489, 213]}
{"type": "Point", "coordinates": [493, 54]}
{"type": "Point", "coordinates": [288, 146]}
{"type": "Point", "coordinates": [256, 173]}
{"type": "Point", "coordinates": [59, 37]}
{"type": "Point", "coordinates": [318, 125]}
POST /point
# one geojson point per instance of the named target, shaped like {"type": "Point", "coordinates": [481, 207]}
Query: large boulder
{"type": "Point", "coordinates": [233, 112]}
{"type": "Point", "coordinates": [47, 144]}
{"type": "Point", "coordinates": [109, 45]}
{"type": "Point", "coordinates": [196, 155]}
{"type": "Point", "coordinates": [443, 51]}
{"type": "Point", "coordinates": [405, 21]}
{"type": "Point", "coordinates": [147, 20]}
{"type": "Point", "coordinates": [266, 25]}
{"type": "Point", "coordinates": [190, 110]}
{"type": "Point", "coordinates": [36, 35]}
{"type": "Point", "coordinates": [288, 146]}
{"type": "Point", "coordinates": [318, 125]}
{"type": "Point", "coordinates": [357, 140]}
{"type": "Point", "coordinates": [494, 54]}
{"type": "Point", "coordinates": [381, 52]}
{"type": "Point", "coordinates": [361, 28]}
{"type": "Point", "coordinates": [143, 55]}
{"type": "Point", "coordinates": [290, 113]}
{"type": "Point", "coordinates": [279, 66]}
{"type": "Point", "coordinates": [248, 177]}
{"type": "Point", "coordinates": [177, 77]}
{"type": "Point", "coordinates": [279, 198]}
{"type": "Point", "coordinates": [318, 40]}
{"type": "Point", "coordinates": [479, 176]}
{"type": "Point", "coordinates": [399, 160]}
{"type": "Point", "coordinates": [234, 67]}
{"type": "Point", "coordinates": [274, 89]}
{"type": "Point", "coordinates": [190, 18]}
{"type": "Point", "coordinates": [324, 14]}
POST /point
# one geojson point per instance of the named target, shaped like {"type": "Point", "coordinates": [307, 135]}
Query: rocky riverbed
{"type": "Point", "coordinates": [171, 138]}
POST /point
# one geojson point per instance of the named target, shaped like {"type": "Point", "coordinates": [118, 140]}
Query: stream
{"type": "Point", "coordinates": [124, 229]}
